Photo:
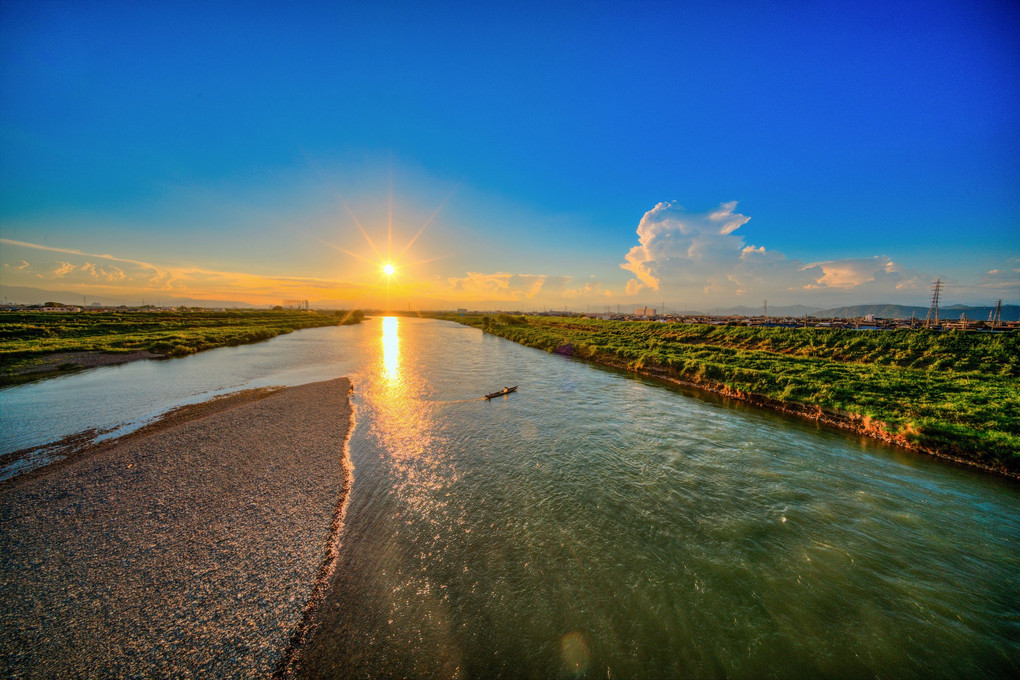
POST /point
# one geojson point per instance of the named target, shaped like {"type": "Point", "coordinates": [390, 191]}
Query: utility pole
{"type": "Point", "coordinates": [766, 311]}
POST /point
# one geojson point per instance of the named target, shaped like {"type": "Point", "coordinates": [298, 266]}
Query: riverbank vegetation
{"type": "Point", "coordinates": [953, 394]}
{"type": "Point", "coordinates": [28, 338]}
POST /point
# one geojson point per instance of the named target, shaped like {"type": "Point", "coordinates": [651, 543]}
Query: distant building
{"type": "Point", "coordinates": [644, 311]}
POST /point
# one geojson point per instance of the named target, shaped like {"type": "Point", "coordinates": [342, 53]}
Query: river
{"type": "Point", "coordinates": [597, 524]}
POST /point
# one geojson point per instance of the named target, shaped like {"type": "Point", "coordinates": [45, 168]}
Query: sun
{"type": "Point", "coordinates": [394, 272]}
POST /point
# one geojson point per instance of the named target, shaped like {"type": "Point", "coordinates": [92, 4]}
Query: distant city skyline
{"type": "Point", "coordinates": [579, 156]}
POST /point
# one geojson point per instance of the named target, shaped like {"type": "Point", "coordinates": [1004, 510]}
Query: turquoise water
{"type": "Point", "coordinates": [599, 525]}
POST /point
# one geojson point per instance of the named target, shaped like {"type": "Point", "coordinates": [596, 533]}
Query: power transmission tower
{"type": "Point", "coordinates": [933, 310]}
{"type": "Point", "coordinates": [995, 318]}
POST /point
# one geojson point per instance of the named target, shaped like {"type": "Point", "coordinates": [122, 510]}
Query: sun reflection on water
{"type": "Point", "coordinates": [391, 348]}
{"type": "Point", "coordinates": [405, 424]}
{"type": "Point", "coordinates": [404, 420]}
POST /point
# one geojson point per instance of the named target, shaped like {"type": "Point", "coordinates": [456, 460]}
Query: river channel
{"type": "Point", "coordinates": [597, 524]}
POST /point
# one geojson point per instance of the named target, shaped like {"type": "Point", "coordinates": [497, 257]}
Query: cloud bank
{"type": "Point", "coordinates": [704, 257]}
{"type": "Point", "coordinates": [104, 274]}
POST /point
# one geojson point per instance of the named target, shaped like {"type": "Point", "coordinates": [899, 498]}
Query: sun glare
{"type": "Point", "coordinates": [393, 280]}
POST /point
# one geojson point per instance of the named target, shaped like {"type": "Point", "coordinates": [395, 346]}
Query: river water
{"type": "Point", "coordinates": [596, 524]}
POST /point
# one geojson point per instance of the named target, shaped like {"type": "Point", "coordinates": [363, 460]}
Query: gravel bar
{"type": "Point", "coordinates": [191, 551]}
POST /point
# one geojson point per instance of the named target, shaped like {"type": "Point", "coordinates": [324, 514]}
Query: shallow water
{"type": "Point", "coordinates": [595, 524]}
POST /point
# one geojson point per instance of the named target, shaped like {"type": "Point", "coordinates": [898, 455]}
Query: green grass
{"type": "Point", "coordinates": [954, 393]}
{"type": "Point", "coordinates": [28, 337]}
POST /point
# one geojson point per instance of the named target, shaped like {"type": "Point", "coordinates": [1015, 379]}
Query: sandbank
{"type": "Point", "coordinates": [192, 548]}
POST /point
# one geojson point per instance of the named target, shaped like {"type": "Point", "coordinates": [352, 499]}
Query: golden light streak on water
{"type": "Point", "coordinates": [406, 423]}
{"type": "Point", "coordinates": [406, 427]}
{"type": "Point", "coordinates": [391, 348]}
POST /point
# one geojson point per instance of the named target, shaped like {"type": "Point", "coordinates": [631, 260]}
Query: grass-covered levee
{"type": "Point", "coordinates": [27, 337]}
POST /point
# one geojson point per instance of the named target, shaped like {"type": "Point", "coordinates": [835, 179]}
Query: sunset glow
{"type": "Point", "coordinates": [388, 269]}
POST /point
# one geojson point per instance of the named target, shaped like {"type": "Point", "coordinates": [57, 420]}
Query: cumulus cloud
{"type": "Point", "coordinates": [500, 286]}
{"type": "Point", "coordinates": [1001, 278]}
{"type": "Point", "coordinates": [854, 272]}
{"type": "Point", "coordinates": [18, 267]}
{"type": "Point", "coordinates": [704, 255]}
{"type": "Point", "coordinates": [999, 282]}
{"type": "Point", "coordinates": [63, 269]}
{"type": "Point", "coordinates": [701, 252]}
{"type": "Point", "coordinates": [90, 272]}
{"type": "Point", "coordinates": [588, 290]}
{"type": "Point", "coordinates": [670, 237]}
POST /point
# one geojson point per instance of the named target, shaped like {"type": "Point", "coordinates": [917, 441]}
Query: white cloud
{"type": "Point", "coordinates": [89, 272]}
{"type": "Point", "coordinates": [1001, 281]}
{"type": "Point", "coordinates": [675, 243]}
{"type": "Point", "coordinates": [704, 257]}
{"type": "Point", "coordinates": [855, 272]}
{"type": "Point", "coordinates": [588, 290]}
{"type": "Point", "coordinates": [500, 286]}
{"type": "Point", "coordinates": [22, 266]}
{"type": "Point", "coordinates": [701, 254]}
{"type": "Point", "coordinates": [63, 269]}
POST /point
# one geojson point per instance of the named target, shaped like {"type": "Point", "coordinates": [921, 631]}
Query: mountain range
{"type": "Point", "coordinates": [26, 295]}
{"type": "Point", "coordinates": [34, 296]}
{"type": "Point", "coordinates": [948, 313]}
{"type": "Point", "coordinates": [881, 311]}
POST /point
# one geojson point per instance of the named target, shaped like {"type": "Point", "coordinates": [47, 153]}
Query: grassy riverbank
{"type": "Point", "coordinates": [29, 339]}
{"type": "Point", "coordinates": [951, 394]}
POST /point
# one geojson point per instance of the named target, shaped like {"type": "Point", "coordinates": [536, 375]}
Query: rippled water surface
{"type": "Point", "coordinates": [598, 525]}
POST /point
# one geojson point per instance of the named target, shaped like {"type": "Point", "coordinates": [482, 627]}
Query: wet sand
{"type": "Point", "coordinates": [190, 549]}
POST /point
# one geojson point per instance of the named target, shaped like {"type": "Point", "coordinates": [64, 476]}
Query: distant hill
{"type": "Point", "coordinates": [26, 295]}
{"type": "Point", "coordinates": [788, 310]}
{"type": "Point", "coordinates": [952, 312]}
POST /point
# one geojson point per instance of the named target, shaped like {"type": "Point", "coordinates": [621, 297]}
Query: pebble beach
{"type": "Point", "coordinates": [190, 549]}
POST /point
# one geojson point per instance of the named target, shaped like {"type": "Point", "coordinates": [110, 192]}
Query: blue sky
{"type": "Point", "coordinates": [575, 156]}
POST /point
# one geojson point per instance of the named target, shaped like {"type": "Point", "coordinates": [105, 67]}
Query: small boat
{"type": "Point", "coordinates": [505, 390]}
